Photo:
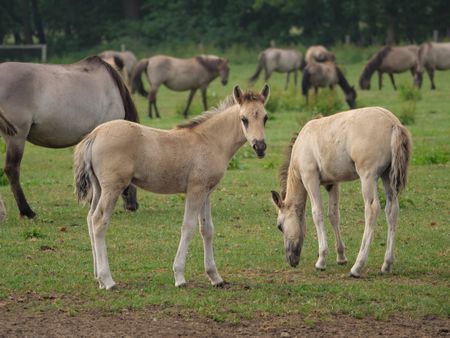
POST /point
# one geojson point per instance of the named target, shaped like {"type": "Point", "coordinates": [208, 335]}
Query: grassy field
{"type": "Point", "coordinates": [47, 263]}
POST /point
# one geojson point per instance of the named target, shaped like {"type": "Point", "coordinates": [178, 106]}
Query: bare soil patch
{"type": "Point", "coordinates": [154, 323]}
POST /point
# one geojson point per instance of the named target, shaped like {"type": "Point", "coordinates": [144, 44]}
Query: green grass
{"type": "Point", "coordinates": [47, 263]}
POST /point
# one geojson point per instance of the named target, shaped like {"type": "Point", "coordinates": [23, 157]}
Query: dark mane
{"type": "Point", "coordinates": [210, 64]}
{"type": "Point", "coordinates": [374, 63]}
{"type": "Point", "coordinates": [343, 81]}
{"type": "Point", "coordinates": [130, 109]}
{"type": "Point", "coordinates": [228, 102]}
{"type": "Point", "coordinates": [283, 171]}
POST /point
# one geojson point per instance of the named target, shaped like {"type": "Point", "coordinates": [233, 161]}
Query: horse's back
{"type": "Point", "coordinates": [282, 60]}
{"type": "Point", "coordinates": [322, 74]}
{"type": "Point", "coordinates": [340, 145]}
{"type": "Point", "coordinates": [400, 59]}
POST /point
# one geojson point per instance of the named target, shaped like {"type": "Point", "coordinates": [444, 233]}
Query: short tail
{"type": "Point", "coordinates": [261, 62]}
{"type": "Point", "coordinates": [5, 126]}
{"type": "Point", "coordinates": [401, 147]}
{"type": "Point", "coordinates": [136, 78]}
{"type": "Point", "coordinates": [83, 169]}
{"type": "Point", "coordinates": [306, 81]}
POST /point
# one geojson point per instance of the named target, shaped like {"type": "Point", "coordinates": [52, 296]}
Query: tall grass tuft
{"type": "Point", "coordinates": [409, 94]}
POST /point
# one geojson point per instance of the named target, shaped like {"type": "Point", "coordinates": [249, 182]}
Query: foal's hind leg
{"type": "Point", "coordinates": [14, 153]}
{"type": "Point", "coordinates": [207, 231]}
{"type": "Point", "coordinates": [100, 221]}
{"type": "Point", "coordinates": [194, 203]}
{"type": "Point", "coordinates": [391, 211]}
{"type": "Point", "coordinates": [371, 210]}
{"type": "Point", "coordinates": [333, 215]}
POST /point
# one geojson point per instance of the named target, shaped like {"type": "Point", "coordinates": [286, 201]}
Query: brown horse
{"type": "Point", "coordinates": [190, 159]}
{"type": "Point", "coordinates": [389, 60]}
{"type": "Point", "coordinates": [281, 61]}
{"type": "Point", "coordinates": [327, 74]}
{"type": "Point", "coordinates": [179, 75]}
{"type": "Point", "coordinates": [432, 55]}
{"type": "Point", "coordinates": [335, 149]}
{"type": "Point", "coordinates": [318, 53]}
{"type": "Point", "coordinates": [128, 61]}
{"type": "Point", "coordinates": [55, 106]}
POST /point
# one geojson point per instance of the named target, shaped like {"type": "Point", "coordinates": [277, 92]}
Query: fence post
{"type": "Point", "coordinates": [122, 47]}
{"type": "Point", "coordinates": [44, 53]}
{"type": "Point", "coordinates": [347, 39]}
{"type": "Point", "coordinates": [435, 35]}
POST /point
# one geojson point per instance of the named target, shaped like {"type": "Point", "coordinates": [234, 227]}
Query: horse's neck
{"type": "Point", "coordinates": [224, 130]}
{"type": "Point", "coordinates": [343, 83]}
{"type": "Point", "coordinates": [296, 193]}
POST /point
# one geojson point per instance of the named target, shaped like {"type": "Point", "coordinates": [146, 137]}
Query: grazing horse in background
{"type": "Point", "coordinates": [327, 74]}
{"type": "Point", "coordinates": [55, 106]}
{"type": "Point", "coordinates": [128, 60]}
{"type": "Point", "coordinates": [318, 53]}
{"type": "Point", "coordinates": [179, 75]}
{"type": "Point", "coordinates": [432, 55]}
{"type": "Point", "coordinates": [389, 60]}
{"type": "Point", "coordinates": [190, 159]}
{"type": "Point", "coordinates": [335, 149]}
{"type": "Point", "coordinates": [281, 61]}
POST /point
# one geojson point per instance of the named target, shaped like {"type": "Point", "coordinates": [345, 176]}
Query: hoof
{"type": "Point", "coordinates": [342, 262]}
{"type": "Point", "coordinates": [353, 275]}
{"type": "Point", "coordinates": [320, 268]}
{"type": "Point", "coordinates": [181, 285]}
{"type": "Point", "coordinates": [30, 214]}
{"type": "Point", "coordinates": [221, 284]}
{"type": "Point", "coordinates": [113, 287]}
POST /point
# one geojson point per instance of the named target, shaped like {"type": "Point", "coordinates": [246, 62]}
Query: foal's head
{"type": "Point", "coordinates": [253, 116]}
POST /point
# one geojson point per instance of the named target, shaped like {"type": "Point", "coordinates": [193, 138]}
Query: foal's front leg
{"type": "Point", "coordinates": [334, 216]}
{"type": "Point", "coordinates": [207, 231]}
{"type": "Point", "coordinates": [194, 203]}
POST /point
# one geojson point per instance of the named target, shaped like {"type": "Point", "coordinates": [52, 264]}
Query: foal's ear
{"type": "Point", "coordinates": [276, 199]}
{"type": "Point", "coordinates": [265, 92]}
{"type": "Point", "coordinates": [237, 94]}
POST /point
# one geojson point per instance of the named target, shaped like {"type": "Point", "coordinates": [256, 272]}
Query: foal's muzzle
{"type": "Point", "coordinates": [260, 148]}
{"type": "Point", "coordinates": [292, 253]}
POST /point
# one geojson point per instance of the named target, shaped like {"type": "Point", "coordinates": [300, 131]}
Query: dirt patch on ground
{"type": "Point", "coordinates": [152, 323]}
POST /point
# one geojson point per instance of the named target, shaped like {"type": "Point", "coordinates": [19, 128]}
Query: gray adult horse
{"type": "Point", "coordinates": [281, 61]}
{"type": "Point", "coordinates": [128, 58]}
{"type": "Point", "coordinates": [179, 75]}
{"type": "Point", "coordinates": [432, 56]}
{"type": "Point", "coordinates": [55, 106]}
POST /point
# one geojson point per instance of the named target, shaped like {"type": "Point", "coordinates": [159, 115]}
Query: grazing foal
{"type": "Point", "coordinates": [335, 149]}
{"type": "Point", "coordinates": [190, 159]}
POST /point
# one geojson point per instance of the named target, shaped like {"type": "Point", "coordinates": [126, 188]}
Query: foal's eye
{"type": "Point", "coordinates": [265, 119]}
{"type": "Point", "coordinates": [280, 227]}
{"type": "Point", "coordinates": [244, 121]}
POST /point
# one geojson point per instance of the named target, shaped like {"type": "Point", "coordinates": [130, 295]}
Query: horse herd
{"type": "Point", "coordinates": [89, 104]}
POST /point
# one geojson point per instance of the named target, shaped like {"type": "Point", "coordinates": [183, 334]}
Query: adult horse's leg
{"type": "Point", "coordinates": [333, 215]}
{"type": "Point", "coordinates": [430, 72]}
{"type": "Point", "coordinates": [191, 96]}
{"type": "Point", "coordinates": [152, 101]}
{"type": "Point", "coordinates": [194, 203]}
{"type": "Point", "coordinates": [391, 211]}
{"type": "Point", "coordinates": [371, 211]}
{"type": "Point", "coordinates": [14, 152]}
{"type": "Point", "coordinates": [312, 185]}
{"type": "Point", "coordinates": [205, 99]}
{"type": "Point", "coordinates": [295, 78]}
{"type": "Point", "coordinates": [207, 231]}
{"type": "Point", "coordinates": [287, 81]}
{"type": "Point", "coordinates": [129, 197]}
{"type": "Point", "coordinates": [100, 221]}
{"type": "Point", "coordinates": [380, 80]}
{"type": "Point", "coordinates": [392, 80]}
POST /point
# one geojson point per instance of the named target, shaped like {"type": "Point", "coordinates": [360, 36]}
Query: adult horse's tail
{"type": "Point", "coordinates": [401, 153]}
{"type": "Point", "coordinates": [136, 78]}
{"type": "Point", "coordinates": [261, 63]}
{"type": "Point", "coordinates": [84, 175]}
{"type": "Point", "coordinates": [5, 126]}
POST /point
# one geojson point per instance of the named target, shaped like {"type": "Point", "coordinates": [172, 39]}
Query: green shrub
{"type": "Point", "coordinates": [409, 93]}
{"type": "Point", "coordinates": [326, 103]}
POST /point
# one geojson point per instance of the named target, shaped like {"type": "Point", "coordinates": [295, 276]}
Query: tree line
{"type": "Point", "coordinates": [67, 25]}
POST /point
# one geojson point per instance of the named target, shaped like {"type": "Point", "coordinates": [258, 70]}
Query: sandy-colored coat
{"type": "Point", "coordinates": [190, 159]}
{"type": "Point", "coordinates": [318, 53]}
{"type": "Point", "coordinates": [432, 56]}
{"type": "Point", "coordinates": [128, 58]}
{"type": "Point", "coordinates": [366, 143]}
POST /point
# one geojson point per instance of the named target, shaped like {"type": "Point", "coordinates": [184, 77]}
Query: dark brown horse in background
{"type": "Point", "coordinates": [179, 75]}
{"type": "Point", "coordinates": [55, 106]}
{"type": "Point", "coordinates": [389, 60]}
